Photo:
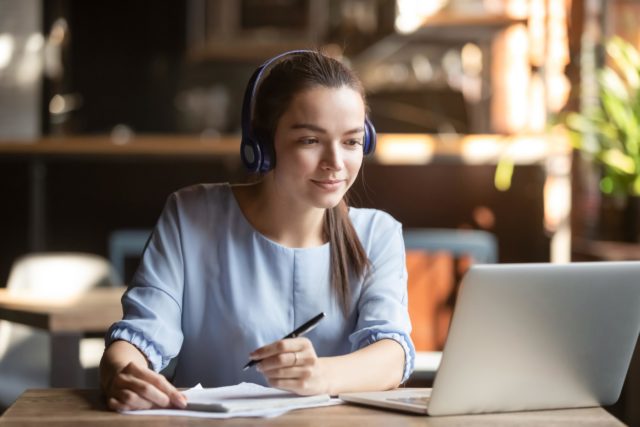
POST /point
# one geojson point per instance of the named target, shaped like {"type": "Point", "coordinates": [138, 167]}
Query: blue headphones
{"type": "Point", "coordinates": [256, 153]}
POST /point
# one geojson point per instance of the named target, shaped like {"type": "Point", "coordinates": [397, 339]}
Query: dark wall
{"type": "Point", "coordinates": [447, 195]}
{"type": "Point", "coordinates": [124, 58]}
{"type": "Point", "coordinates": [87, 199]}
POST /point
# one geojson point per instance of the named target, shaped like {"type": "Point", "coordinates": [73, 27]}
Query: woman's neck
{"type": "Point", "coordinates": [279, 219]}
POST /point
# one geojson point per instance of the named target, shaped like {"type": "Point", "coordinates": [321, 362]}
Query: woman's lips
{"type": "Point", "coordinates": [328, 184]}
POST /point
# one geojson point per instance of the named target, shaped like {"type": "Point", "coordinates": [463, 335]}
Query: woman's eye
{"type": "Point", "coordinates": [309, 141]}
{"type": "Point", "coordinates": [353, 142]}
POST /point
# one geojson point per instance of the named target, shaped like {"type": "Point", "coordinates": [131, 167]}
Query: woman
{"type": "Point", "coordinates": [231, 269]}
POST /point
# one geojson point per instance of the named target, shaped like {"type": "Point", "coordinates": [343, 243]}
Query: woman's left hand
{"type": "Point", "coordinates": [292, 364]}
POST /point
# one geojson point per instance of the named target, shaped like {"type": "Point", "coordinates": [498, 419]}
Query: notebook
{"type": "Point", "coordinates": [531, 337]}
{"type": "Point", "coordinates": [240, 400]}
{"type": "Point", "coordinates": [247, 397]}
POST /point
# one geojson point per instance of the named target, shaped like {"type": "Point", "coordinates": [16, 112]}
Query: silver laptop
{"type": "Point", "coordinates": [530, 337]}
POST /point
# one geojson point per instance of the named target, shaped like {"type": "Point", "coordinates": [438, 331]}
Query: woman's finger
{"type": "Point", "coordinates": [282, 360]}
{"type": "Point", "coordinates": [288, 373]}
{"type": "Point", "coordinates": [288, 345]}
{"type": "Point", "coordinates": [129, 400]}
{"type": "Point", "coordinates": [134, 392]}
{"type": "Point", "coordinates": [115, 405]}
{"type": "Point", "coordinates": [161, 384]}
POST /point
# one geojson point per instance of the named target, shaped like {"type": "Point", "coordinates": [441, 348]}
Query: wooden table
{"type": "Point", "coordinates": [71, 407]}
{"type": "Point", "coordinates": [67, 320]}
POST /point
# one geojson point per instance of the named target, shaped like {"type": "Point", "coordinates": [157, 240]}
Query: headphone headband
{"type": "Point", "coordinates": [257, 155]}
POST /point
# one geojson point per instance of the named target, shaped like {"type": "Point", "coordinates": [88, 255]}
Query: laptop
{"type": "Point", "coordinates": [531, 337]}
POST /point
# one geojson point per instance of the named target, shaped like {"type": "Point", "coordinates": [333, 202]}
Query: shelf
{"type": "Point", "coordinates": [448, 19]}
{"type": "Point", "coordinates": [398, 149]}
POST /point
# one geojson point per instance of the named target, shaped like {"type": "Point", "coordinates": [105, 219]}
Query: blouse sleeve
{"type": "Point", "coordinates": [382, 306]}
{"type": "Point", "coordinates": [152, 305]}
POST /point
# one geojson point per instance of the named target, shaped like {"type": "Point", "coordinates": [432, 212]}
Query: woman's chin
{"type": "Point", "coordinates": [328, 202]}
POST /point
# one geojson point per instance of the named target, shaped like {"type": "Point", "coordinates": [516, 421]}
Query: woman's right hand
{"type": "Point", "coordinates": [135, 387]}
{"type": "Point", "coordinates": [130, 384]}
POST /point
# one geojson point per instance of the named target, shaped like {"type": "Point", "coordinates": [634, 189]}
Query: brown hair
{"type": "Point", "coordinates": [289, 76]}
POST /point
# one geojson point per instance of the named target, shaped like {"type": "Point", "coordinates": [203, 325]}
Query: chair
{"type": "Point", "coordinates": [436, 261]}
{"type": "Point", "coordinates": [481, 245]}
{"type": "Point", "coordinates": [24, 351]}
{"type": "Point", "coordinates": [126, 243]}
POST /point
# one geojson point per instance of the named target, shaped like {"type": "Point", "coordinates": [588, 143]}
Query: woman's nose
{"type": "Point", "coordinates": [332, 157]}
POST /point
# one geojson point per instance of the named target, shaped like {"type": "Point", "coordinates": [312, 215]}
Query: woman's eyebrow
{"type": "Point", "coordinates": [315, 128]}
{"type": "Point", "coordinates": [308, 126]}
{"type": "Point", "coordinates": [359, 129]}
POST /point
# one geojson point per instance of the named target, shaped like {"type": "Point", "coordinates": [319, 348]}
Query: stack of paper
{"type": "Point", "coordinates": [242, 400]}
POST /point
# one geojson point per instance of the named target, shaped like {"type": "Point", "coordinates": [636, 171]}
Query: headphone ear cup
{"type": "Point", "coordinates": [251, 154]}
{"type": "Point", "coordinates": [267, 156]}
{"type": "Point", "coordinates": [369, 137]}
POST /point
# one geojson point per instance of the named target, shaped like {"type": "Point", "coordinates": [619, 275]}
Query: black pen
{"type": "Point", "coordinates": [299, 331]}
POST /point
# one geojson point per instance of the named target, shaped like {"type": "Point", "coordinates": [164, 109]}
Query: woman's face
{"type": "Point", "coordinates": [319, 146]}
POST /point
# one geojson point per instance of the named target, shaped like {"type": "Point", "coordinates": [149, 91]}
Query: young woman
{"type": "Point", "coordinates": [231, 269]}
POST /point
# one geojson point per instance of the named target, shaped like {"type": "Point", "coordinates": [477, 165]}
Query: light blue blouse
{"type": "Point", "coordinates": [210, 289]}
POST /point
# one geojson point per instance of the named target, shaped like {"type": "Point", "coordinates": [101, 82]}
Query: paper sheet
{"type": "Point", "coordinates": [243, 392]}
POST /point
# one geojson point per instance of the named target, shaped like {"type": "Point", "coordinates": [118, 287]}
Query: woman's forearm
{"type": "Point", "coordinates": [378, 366]}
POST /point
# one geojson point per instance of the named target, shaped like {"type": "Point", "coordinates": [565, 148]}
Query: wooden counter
{"type": "Point", "coordinates": [68, 407]}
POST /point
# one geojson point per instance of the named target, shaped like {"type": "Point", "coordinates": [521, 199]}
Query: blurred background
{"type": "Point", "coordinates": [484, 110]}
{"type": "Point", "coordinates": [107, 107]}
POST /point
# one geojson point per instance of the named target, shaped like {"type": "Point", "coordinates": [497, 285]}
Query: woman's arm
{"type": "Point", "coordinates": [150, 333]}
{"type": "Point", "coordinates": [128, 383]}
{"type": "Point", "coordinates": [293, 365]}
{"type": "Point", "coordinates": [378, 366]}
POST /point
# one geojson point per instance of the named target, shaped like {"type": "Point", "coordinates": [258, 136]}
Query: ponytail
{"type": "Point", "coordinates": [347, 254]}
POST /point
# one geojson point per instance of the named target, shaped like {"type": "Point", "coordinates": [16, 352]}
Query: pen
{"type": "Point", "coordinates": [299, 331]}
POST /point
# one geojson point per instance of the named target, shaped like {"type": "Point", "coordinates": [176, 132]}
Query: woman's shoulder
{"type": "Point", "coordinates": [199, 194]}
{"type": "Point", "coordinates": [368, 222]}
{"type": "Point", "coordinates": [199, 203]}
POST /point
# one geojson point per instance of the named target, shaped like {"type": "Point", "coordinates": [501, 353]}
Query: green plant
{"type": "Point", "coordinates": [609, 131]}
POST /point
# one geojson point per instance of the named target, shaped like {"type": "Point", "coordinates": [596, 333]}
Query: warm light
{"type": "Point", "coordinates": [511, 73]}
{"type": "Point", "coordinates": [523, 99]}
{"type": "Point", "coordinates": [405, 149]}
{"type": "Point", "coordinates": [557, 201]}
{"type": "Point", "coordinates": [57, 105]}
{"type": "Point", "coordinates": [34, 44]}
{"type": "Point", "coordinates": [538, 32]}
{"type": "Point", "coordinates": [6, 50]}
{"type": "Point", "coordinates": [528, 149]}
{"type": "Point", "coordinates": [58, 279]}
{"type": "Point", "coordinates": [471, 56]}
{"type": "Point", "coordinates": [558, 89]}
{"type": "Point", "coordinates": [523, 149]}
{"type": "Point", "coordinates": [484, 217]}
{"type": "Point", "coordinates": [537, 105]}
{"type": "Point", "coordinates": [479, 149]}
{"type": "Point", "coordinates": [58, 31]}
{"type": "Point", "coordinates": [471, 59]}
{"type": "Point", "coordinates": [517, 8]}
{"type": "Point", "coordinates": [558, 86]}
{"type": "Point", "coordinates": [62, 104]}
{"type": "Point", "coordinates": [517, 78]}
{"type": "Point", "coordinates": [410, 14]}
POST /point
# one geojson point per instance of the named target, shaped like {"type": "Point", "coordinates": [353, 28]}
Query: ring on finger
{"type": "Point", "coordinates": [295, 358]}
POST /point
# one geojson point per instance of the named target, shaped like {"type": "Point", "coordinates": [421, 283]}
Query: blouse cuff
{"type": "Point", "coordinates": [137, 339]}
{"type": "Point", "coordinates": [407, 346]}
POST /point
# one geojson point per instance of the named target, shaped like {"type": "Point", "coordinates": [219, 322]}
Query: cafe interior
{"type": "Point", "coordinates": [487, 148]}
